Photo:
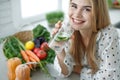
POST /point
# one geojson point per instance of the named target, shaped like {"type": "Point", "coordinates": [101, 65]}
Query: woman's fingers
{"type": "Point", "coordinates": [57, 27]}
{"type": "Point", "coordinates": [55, 30]}
{"type": "Point", "coordinates": [58, 24]}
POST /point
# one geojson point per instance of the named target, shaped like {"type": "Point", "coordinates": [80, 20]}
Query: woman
{"type": "Point", "coordinates": [93, 51]}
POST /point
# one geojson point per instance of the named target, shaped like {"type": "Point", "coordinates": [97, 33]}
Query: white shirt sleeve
{"type": "Point", "coordinates": [68, 61]}
{"type": "Point", "coordinates": [109, 54]}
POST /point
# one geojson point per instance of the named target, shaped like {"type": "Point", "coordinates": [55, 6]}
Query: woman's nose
{"type": "Point", "coordinates": [78, 13]}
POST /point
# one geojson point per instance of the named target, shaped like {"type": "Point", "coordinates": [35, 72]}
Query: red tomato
{"type": "Point", "coordinates": [41, 54]}
{"type": "Point", "coordinates": [35, 50]}
{"type": "Point", "coordinates": [44, 46]}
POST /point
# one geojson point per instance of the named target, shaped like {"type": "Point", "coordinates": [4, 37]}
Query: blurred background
{"type": "Point", "coordinates": [19, 14]}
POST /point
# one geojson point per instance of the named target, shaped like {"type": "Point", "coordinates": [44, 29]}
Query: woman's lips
{"type": "Point", "coordinates": [75, 21]}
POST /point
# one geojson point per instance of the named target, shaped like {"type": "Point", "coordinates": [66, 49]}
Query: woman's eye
{"type": "Point", "coordinates": [74, 6]}
{"type": "Point", "coordinates": [87, 9]}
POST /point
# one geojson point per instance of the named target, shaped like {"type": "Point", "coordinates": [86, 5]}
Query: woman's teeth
{"type": "Point", "coordinates": [78, 21]}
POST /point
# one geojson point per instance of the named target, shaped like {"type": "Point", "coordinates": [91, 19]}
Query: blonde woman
{"type": "Point", "coordinates": [93, 51]}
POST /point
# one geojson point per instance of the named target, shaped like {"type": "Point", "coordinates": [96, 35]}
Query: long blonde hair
{"type": "Point", "coordinates": [100, 19]}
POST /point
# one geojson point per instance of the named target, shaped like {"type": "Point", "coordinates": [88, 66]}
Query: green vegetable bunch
{"type": "Point", "coordinates": [12, 47]}
{"type": "Point", "coordinates": [50, 56]}
{"type": "Point", "coordinates": [41, 31]}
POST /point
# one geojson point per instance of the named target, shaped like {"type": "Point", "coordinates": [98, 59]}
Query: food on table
{"type": "Point", "coordinates": [12, 63]}
{"type": "Point", "coordinates": [22, 72]}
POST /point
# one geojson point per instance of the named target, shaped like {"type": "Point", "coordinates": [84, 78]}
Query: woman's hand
{"type": "Point", "coordinates": [57, 27]}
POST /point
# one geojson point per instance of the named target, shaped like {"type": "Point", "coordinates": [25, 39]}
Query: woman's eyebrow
{"type": "Point", "coordinates": [88, 6]}
{"type": "Point", "coordinates": [83, 6]}
{"type": "Point", "coordinates": [73, 3]}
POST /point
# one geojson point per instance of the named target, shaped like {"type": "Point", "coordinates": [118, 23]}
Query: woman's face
{"type": "Point", "coordinates": [80, 14]}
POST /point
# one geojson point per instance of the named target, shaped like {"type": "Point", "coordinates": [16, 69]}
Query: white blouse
{"type": "Point", "coordinates": [108, 51]}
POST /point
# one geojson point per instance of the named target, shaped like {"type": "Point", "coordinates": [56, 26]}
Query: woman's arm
{"type": "Point", "coordinates": [64, 62]}
{"type": "Point", "coordinates": [61, 57]}
{"type": "Point", "coordinates": [76, 68]}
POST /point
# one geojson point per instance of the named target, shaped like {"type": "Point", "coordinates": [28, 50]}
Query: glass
{"type": "Point", "coordinates": [61, 37]}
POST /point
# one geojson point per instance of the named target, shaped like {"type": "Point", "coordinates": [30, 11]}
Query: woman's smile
{"type": "Point", "coordinates": [77, 21]}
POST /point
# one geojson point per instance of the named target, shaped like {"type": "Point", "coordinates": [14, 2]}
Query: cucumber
{"type": "Point", "coordinates": [62, 37]}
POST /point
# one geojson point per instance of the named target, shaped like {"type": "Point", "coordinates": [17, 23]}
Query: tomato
{"type": "Point", "coordinates": [35, 50]}
{"type": "Point", "coordinates": [44, 46]}
{"type": "Point", "coordinates": [41, 54]}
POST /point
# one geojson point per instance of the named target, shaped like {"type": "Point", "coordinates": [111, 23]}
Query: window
{"type": "Point", "coordinates": [35, 7]}
{"type": "Point", "coordinates": [28, 11]}
{"type": "Point", "coordinates": [65, 5]}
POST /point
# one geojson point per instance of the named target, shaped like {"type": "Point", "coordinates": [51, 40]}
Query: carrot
{"type": "Point", "coordinates": [31, 54]}
{"type": "Point", "coordinates": [32, 60]}
{"type": "Point", "coordinates": [25, 56]}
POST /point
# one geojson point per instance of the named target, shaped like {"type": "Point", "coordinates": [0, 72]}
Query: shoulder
{"type": "Point", "coordinates": [108, 33]}
{"type": "Point", "coordinates": [109, 29]}
{"type": "Point", "coordinates": [107, 41]}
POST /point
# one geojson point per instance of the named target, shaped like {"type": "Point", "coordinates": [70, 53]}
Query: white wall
{"type": "Point", "coordinates": [6, 19]}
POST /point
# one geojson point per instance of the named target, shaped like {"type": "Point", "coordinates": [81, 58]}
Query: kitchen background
{"type": "Point", "coordinates": [17, 15]}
